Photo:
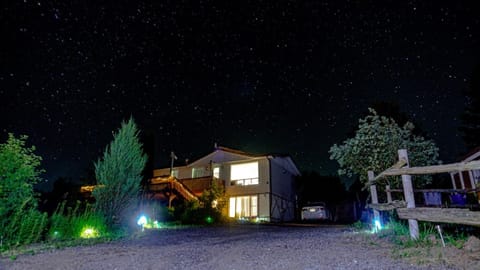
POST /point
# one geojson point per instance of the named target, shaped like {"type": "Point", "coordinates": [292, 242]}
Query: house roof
{"type": "Point", "coordinates": [223, 154]}
{"type": "Point", "coordinates": [233, 154]}
{"type": "Point", "coordinates": [235, 151]}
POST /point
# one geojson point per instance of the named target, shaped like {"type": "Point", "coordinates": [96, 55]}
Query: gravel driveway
{"type": "Point", "coordinates": [228, 247]}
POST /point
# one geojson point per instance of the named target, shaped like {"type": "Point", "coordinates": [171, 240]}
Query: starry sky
{"type": "Point", "coordinates": [261, 76]}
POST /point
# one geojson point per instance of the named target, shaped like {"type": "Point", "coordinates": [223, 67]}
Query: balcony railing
{"type": "Point", "coordinates": [244, 182]}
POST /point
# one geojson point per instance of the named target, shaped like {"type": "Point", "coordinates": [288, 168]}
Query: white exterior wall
{"type": "Point", "coordinates": [276, 201]}
{"type": "Point", "coordinates": [263, 179]}
{"type": "Point", "coordinates": [262, 190]}
{"type": "Point", "coordinates": [283, 191]}
{"type": "Point", "coordinates": [264, 206]}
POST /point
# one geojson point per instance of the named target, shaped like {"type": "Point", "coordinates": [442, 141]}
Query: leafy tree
{"type": "Point", "coordinates": [18, 173]}
{"type": "Point", "coordinates": [119, 173]}
{"type": "Point", "coordinates": [20, 221]}
{"type": "Point", "coordinates": [471, 116]}
{"type": "Point", "coordinates": [375, 147]}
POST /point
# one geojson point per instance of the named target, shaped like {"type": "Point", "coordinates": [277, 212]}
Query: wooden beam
{"type": "Point", "coordinates": [408, 194]}
{"type": "Point", "coordinates": [401, 162]}
{"type": "Point", "coordinates": [388, 206]}
{"type": "Point", "coordinates": [461, 166]}
{"type": "Point", "coordinates": [442, 215]}
{"type": "Point", "coordinates": [441, 190]}
{"type": "Point", "coordinates": [373, 193]}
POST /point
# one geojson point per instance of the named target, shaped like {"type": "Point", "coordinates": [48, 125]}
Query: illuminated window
{"type": "Point", "coordinates": [243, 207]}
{"type": "Point", "coordinates": [198, 172]}
{"type": "Point", "coordinates": [175, 173]}
{"type": "Point", "coordinates": [244, 174]}
{"type": "Point", "coordinates": [216, 172]}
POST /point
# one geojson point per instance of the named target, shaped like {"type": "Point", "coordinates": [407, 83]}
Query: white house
{"type": "Point", "coordinates": [467, 179]}
{"type": "Point", "coordinates": [257, 187]}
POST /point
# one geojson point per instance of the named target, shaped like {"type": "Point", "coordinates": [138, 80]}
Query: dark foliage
{"type": "Point", "coordinates": [313, 187]}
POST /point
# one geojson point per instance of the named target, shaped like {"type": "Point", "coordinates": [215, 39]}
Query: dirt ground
{"type": "Point", "coordinates": [247, 247]}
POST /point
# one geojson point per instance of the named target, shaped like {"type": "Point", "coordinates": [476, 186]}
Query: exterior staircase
{"type": "Point", "coordinates": [174, 184]}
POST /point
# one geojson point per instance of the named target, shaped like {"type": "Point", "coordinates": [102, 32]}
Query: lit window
{"type": "Point", "coordinates": [198, 172]}
{"type": "Point", "coordinates": [243, 207]}
{"type": "Point", "coordinates": [175, 173]}
{"type": "Point", "coordinates": [231, 209]}
{"type": "Point", "coordinates": [244, 174]}
{"type": "Point", "coordinates": [216, 172]}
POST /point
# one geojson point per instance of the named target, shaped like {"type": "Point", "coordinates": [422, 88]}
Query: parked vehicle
{"type": "Point", "coordinates": [315, 211]}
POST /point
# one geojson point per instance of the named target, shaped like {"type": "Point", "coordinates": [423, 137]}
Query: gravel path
{"type": "Point", "coordinates": [230, 247]}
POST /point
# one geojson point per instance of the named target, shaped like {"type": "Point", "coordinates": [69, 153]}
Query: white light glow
{"type": "Point", "coordinates": [377, 225]}
{"type": "Point", "coordinates": [142, 220]}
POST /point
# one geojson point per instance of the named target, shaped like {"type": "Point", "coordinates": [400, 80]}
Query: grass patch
{"type": "Point", "coordinates": [428, 248]}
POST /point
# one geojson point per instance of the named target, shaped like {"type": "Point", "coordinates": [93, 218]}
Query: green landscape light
{"type": "Point", "coordinates": [209, 219]}
{"type": "Point", "coordinates": [89, 232]}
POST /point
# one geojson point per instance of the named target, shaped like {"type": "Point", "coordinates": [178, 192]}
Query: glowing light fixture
{"type": "Point", "coordinates": [377, 225]}
{"type": "Point", "coordinates": [89, 232]}
{"type": "Point", "coordinates": [142, 220]}
{"type": "Point", "coordinates": [209, 219]}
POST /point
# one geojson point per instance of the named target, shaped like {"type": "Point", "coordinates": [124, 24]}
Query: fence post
{"type": "Point", "coordinates": [389, 193]}
{"type": "Point", "coordinates": [373, 193]}
{"type": "Point", "coordinates": [408, 193]}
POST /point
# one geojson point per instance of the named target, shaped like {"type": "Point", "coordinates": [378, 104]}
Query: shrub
{"type": "Point", "coordinates": [20, 221]}
{"type": "Point", "coordinates": [27, 225]}
{"type": "Point", "coordinates": [79, 222]}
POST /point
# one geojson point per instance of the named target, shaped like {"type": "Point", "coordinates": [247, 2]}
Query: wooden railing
{"type": "Point", "coordinates": [407, 208]}
{"type": "Point", "coordinates": [173, 183]}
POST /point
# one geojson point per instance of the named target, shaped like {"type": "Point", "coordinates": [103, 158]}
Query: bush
{"type": "Point", "coordinates": [79, 222]}
{"type": "Point", "coordinates": [27, 225]}
{"type": "Point", "coordinates": [191, 212]}
{"type": "Point", "coordinates": [20, 221]}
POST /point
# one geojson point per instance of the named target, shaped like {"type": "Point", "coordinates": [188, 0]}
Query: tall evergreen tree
{"type": "Point", "coordinates": [119, 173]}
{"type": "Point", "coordinates": [471, 117]}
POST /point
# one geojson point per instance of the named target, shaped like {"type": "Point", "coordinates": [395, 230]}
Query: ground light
{"type": "Point", "coordinates": [142, 221]}
{"type": "Point", "coordinates": [377, 225]}
{"type": "Point", "coordinates": [209, 219]}
{"type": "Point", "coordinates": [89, 232]}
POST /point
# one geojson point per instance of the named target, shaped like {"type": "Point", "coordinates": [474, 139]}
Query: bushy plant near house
{"type": "Point", "coordinates": [20, 221]}
{"type": "Point", "coordinates": [207, 210]}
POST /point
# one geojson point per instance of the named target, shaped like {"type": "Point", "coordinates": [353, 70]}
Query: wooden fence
{"type": "Point", "coordinates": [407, 209]}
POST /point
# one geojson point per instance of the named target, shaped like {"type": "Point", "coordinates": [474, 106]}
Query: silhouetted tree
{"type": "Point", "coordinates": [313, 187]}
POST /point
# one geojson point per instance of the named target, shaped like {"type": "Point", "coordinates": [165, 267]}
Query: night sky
{"type": "Point", "coordinates": [259, 76]}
